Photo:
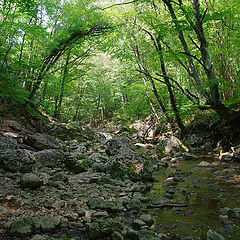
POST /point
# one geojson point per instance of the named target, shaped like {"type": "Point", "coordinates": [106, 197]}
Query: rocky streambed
{"type": "Point", "coordinates": [111, 189]}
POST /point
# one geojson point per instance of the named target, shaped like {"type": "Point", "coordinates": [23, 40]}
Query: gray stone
{"type": "Point", "coordinates": [7, 142]}
{"type": "Point", "coordinates": [227, 173]}
{"type": "Point", "coordinates": [138, 224]}
{"type": "Point", "coordinates": [95, 202]}
{"type": "Point", "coordinates": [22, 227]}
{"type": "Point", "coordinates": [171, 144]}
{"type": "Point", "coordinates": [31, 180]}
{"type": "Point", "coordinates": [204, 164]}
{"type": "Point", "coordinates": [81, 211]}
{"type": "Point", "coordinates": [212, 235]}
{"type": "Point", "coordinates": [41, 141]}
{"type": "Point", "coordinates": [49, 157]}
{"type": "Point", "coordinates": [147, 218]}
{"type": "Point", "coordinates": [134, 204]}
{"type": "Point", "coordinates": [125, 162]}
{"type": "Point", "coordinates": [131, 234]}
{"type": "Point", "coordinates": [49, 223]}
{"type": "Point", "coordinates": [102, 228]}
{"type": "Point", "coordinates": [16, 160]}
{"type": "Point", "coordinates": [146, 234]}
{"type": "Point", "coordinates": [102, 214]}
{"type": "Point", "coordinates": [14, 125]}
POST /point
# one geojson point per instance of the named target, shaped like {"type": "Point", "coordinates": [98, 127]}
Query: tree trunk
{"type": "Point", "coordinates": [215, 100]}
{"type": "Point", "coordinates": [194, 73]}
{"type": "Point", "coordinates": [166, 80]}
{"type": "Point", "coordinates": [64, 78]}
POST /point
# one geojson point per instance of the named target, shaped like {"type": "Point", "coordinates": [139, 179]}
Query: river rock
{"type": "Point", "coordinates": [204, 164]}
{"type": "Point", "coordinates": [31, 180]}
{"type": "Point", "coordinates": [16, 160]}
{"type": "Point", "coordinates": [132, 234]}
{"type": "Point", "coordinates": [212, 235]}
{"type": "Point", "coordinates": [227, 173]}
{"type": "Point", "coordinates": [138, 224]}
{"type": "Point", "coordinates": [134, 204]}
{"type": "Point", "coordinates": [22, 227]}
{"type": "Point", "coordinates": [41, 141]}
{"type": "Point", "coordinates": [100, 229]}
{"type": "Point", "coordinates": [125, 162]}
{"type": "Point", "coordinates": [145, 234]}
{"type": "Point", "coordinates": [171, 144]}
{"type": "Point", "coordinates": [147, 218]}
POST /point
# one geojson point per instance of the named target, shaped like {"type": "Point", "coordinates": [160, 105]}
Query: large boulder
{"type": "Point", "coordinates": [7, 142]}
{"type": "Point", "coordinates": [126, 162]}
{"type": "Point", "coordinates": [170, 144]}
{"type": "Point", "coordinates": [41, 141]}
{"type": "Point", "coordinates": [17, 160]}
{"type": "Point", "coordinates": [49, 157]}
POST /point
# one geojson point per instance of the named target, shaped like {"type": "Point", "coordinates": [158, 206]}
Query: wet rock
{"type": "Point", "coordinates": [16, 160]}
{"type": "Point", "coordinates": [30, 180]}
{"type": "Point", "coordinates": [204, 164]}
{"type": "Point", "coordinates": [100, 229]}
{"type": "Point", "coordinates": [212, 235]}
{"type": "Point", "coordinates": [146, 234]}
{"type": "Point", "coordinates": [147, 218]}
{"type": "Point", "coordinates": [7, 142]}
{"type": "Point", "coordinates": [40, 141]}
{"type": "Point", "coordinates": [227, 173]}
{"type": "Point", "coordinates": [138, 224]}
{"type": "Point", "coordinates": [22, 227]}
{"type": "Point", "coordinates": [49, 157]}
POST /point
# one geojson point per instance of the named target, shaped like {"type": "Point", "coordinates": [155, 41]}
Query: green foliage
{"type": "Point", "coordinates": [101, 82]}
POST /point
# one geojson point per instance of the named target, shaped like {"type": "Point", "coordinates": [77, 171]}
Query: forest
{"type": "Point", "coordinates": [119, 119]}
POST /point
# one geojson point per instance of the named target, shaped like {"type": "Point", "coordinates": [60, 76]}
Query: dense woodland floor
{"type": "Point", "coordinates": [69, 181]}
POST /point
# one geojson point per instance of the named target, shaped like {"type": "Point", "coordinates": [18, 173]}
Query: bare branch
{"type": "Point", "coordinates": [117, 4]}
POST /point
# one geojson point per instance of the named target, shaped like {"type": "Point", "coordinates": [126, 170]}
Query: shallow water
{"type": "Point", "coordinates": [205, 196]}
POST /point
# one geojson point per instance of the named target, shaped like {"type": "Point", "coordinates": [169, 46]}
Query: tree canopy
{"type": "Point", "coordinates": [96, 61]}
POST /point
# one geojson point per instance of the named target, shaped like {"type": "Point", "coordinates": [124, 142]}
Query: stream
{"type": "Point", "coordinates": [205, 195]}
